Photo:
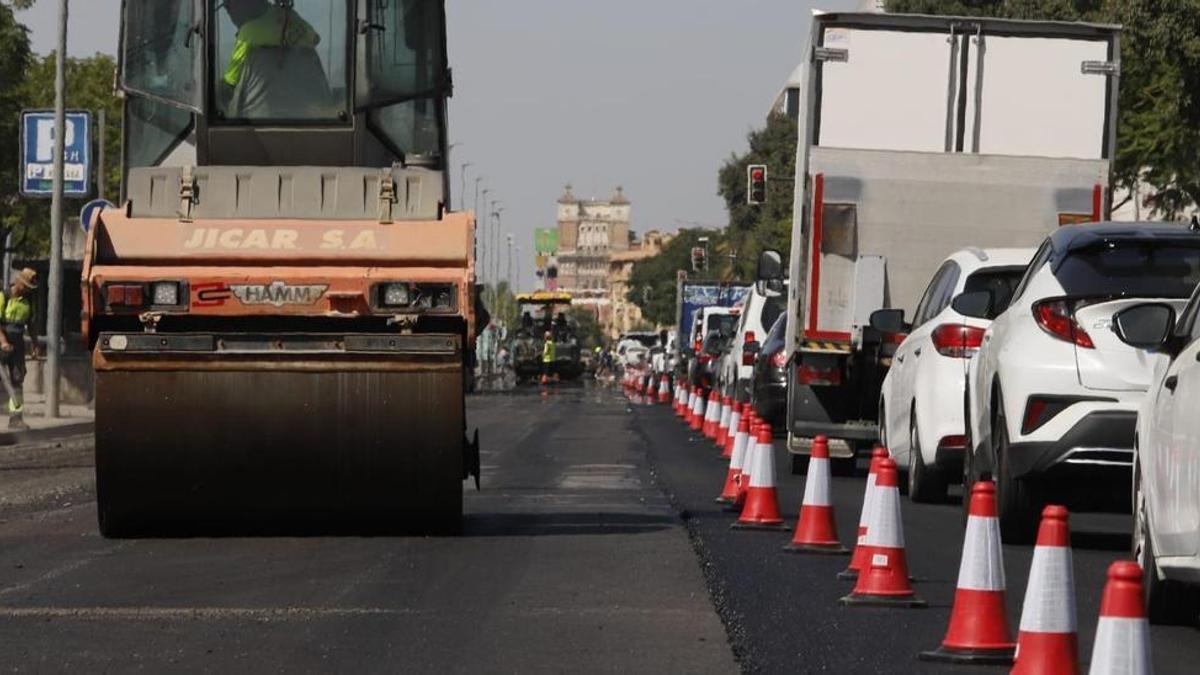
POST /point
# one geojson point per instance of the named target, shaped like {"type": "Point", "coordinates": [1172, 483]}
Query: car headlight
{"type": "Point", "coordinates": [164, 293]}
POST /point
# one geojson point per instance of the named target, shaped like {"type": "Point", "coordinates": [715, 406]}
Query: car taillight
{"type": "Point", "coordinates": [747, 357]}
{"type": "Point", "coordinates": [696, 346]}
{"type": "Point", "coordinates": [956, 340]}
{"type": "Point", "coordinates": [1054, 317]}
{"type": "Point", "coordinates": [1039, 410]}
{"type": "Point", "coordinates": [778, 359]}
{"type": "Point", "coordinates": [957, 441]}
{"type": "Point", "coordinates": [125, 295]}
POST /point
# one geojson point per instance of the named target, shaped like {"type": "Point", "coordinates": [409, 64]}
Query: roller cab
{"type": "Point", "coordinates": [281, 310]}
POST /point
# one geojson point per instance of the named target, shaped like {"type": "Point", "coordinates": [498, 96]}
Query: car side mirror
{"type": "Point", "coordinates": [1145, 326]}
{"type": "Point", "coordinates": [770, 265]}
{"type": "Point", "coordinates": [888, 321]}
{"type": "Point", "coordinates": [977, 304]}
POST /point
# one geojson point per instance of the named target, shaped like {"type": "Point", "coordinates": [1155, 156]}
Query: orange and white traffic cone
{"type": "Point", "coordinates": [696, 422]}
{"type": "Point", "coordinates": [723, 422]}
{"type": "Point", "coordinates": [884, 579]}
{"type": "Point", "coordinates": [740, 439]}
{"type": "Point", "coordinates": [712, 414]}
{"type": "Point", "coordinates": [861, 555]}
{"type": "Point", "coordinates": [1122, 645]}
{"type": "Point", "coordinates": [1047, 641]}
{"type": "Point", "coordinates": [664, 389]}
{"type": "Point", "coordinates": [761, 510]}
{"type": "Point", "coordinates": [735, 419]}
{"type": "Point", "coordinates": [816, 530]}
{"type": "Point", "coordinates": [978, 631]}
{"type": "Point", "coordinates": [681, 400]}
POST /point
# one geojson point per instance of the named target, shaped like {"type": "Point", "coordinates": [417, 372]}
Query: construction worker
{"type": "Point", "coordinates": [262, 24]}
{"type": "Point", "coordinates": [547, 357]}
{"type": "Point", "coordinates": [16, 314]}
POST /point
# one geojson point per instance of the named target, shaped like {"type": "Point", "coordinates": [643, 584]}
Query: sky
{"type": "Point", "coordinates": [649, 94]}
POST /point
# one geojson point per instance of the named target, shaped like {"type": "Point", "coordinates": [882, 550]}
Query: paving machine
{"type": "Point", "coordinates": [543, 312]}
{"type": "Point", "coordinates": [281, 311]}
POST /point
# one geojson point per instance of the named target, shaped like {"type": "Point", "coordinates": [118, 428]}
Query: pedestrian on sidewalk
{"type": "Point", "coordinates": [16, 314]}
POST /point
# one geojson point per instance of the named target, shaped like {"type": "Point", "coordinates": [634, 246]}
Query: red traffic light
{"type": "Point", "coordinates": [757, 174]}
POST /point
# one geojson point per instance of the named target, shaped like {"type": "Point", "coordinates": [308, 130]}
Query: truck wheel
{"type": "Point", "coordinates": [1167, 602]}
{"type": "Point", "coordinates": [926, 485]}
{"type": "Point", "coordinates": [1018, 506]}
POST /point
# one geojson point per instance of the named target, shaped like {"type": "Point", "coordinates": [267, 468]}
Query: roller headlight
{"type": "Point", "coordinates": [396, 295]}
{"type": "Point", "coordinates": [164, 293]}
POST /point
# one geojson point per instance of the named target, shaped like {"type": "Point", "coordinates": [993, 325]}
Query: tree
{"type": "Point", "coordinates": [1158, 126]}
{"type": "Point", "coordinates": [587, 328]}
{"type": "Point", "coordinates": [15, 57]}
{"type": "Point", "coordinates": [652, 281]}
{"type": "Point", "coordinates": [755, 227]}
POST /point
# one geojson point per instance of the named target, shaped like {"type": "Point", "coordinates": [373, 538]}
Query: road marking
{"type": "Point", "coordinates": [62, 570]}
{"type": "Point", "coordinates": [313, 613]}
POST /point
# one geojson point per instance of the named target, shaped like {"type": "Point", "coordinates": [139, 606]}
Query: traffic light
{"type": "Point", "coordinates": [756, 184]}
{"type": "Point", "coordinates": [699, 259]}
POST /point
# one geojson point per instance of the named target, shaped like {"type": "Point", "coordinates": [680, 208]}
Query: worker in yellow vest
{"type": "Point", "coordinates": [548, 349]}
{"type": "Point", "coordinates": [262, 24]}
{"type": "Point", "coordinates": [16, 314]}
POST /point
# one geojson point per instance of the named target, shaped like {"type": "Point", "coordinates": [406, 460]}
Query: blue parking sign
{"type": "Point", "coordinates": [37, 154]}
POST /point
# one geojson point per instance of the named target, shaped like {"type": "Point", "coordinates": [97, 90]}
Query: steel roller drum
{"type": "Point", "coordinates": [243, 450]}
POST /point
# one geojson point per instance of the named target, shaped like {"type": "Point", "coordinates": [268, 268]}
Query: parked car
{"type": "Point", "coordinates": [633, 349]}
{"type": "Point", "coordinates": [1166, 464]}
{"type": "Point", "coordinates": [712, 329]}
{"type": "Point", "coordinates": [1054, 398]}
{"type": "Point", "coordinates": [921, 419]}
{"type": "Point", "coordinates": [768, 383]}
{"type": "Point", "coordinates": [759, 312]}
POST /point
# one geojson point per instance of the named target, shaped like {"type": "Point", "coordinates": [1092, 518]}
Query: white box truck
{"type": "Point", "coordinates": [918, 136]}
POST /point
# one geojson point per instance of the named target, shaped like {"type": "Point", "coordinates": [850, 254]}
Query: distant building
{"type": "Point", "coordinates": [878, 6]}
{"type": "Point", "coordinates": [590, 231]}
{"type": "Point", "coordinates": [787, 102]}
{"type": "Point", "coordinates": [627, 316]}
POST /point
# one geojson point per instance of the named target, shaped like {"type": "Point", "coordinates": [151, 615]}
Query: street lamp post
{"type": "Point", "coordinates": [54, 287]}
{"type": "Point", "coordinates": [508, 272]}
{"type": "Point", "coordinates": [496, 239]}
{"type": "Point", "coordinates": [486, 244]}
{"type": "Point", "coordinates": [462, 196]}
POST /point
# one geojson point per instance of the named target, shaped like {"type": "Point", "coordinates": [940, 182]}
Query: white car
{"type": "Point", "coordinates": [702, 367]}
{"type": "Point", "coordinates": [1166, 469]}
{"type": "Point", "coordinates": [759, 311]}
{"type": "Point", "coordinates": [921, 418]}
{"type": "Point", "coordinates": [1053, 401]}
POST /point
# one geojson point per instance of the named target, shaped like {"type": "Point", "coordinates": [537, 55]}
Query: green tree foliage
{"type": "Point", "coordinates": [587, 328]}
{"type": "Point", "coordinates": [15, 57]}
{"type": "Point", "coordinates": [755, 227]}
{"type": "Point", "coordinates": [1158, 128]}
{"type": "Point", "coordinates": [652, 281]}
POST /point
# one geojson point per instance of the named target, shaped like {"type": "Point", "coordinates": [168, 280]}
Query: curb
{"type": "Point", "coordinates": [48, 433]}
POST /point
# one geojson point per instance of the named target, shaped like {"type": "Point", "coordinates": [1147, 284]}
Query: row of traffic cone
{"type": "Point", "coordinates": [978, 630]}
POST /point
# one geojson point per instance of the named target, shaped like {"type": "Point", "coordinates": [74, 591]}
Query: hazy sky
{"type": "Point", "coordinates": [649, 94]}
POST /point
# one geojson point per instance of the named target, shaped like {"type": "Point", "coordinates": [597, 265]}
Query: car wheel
{"type": "Point", "coordinates": [925, 485]}
{"type": "Point", "coordinates": [1017, 505]}
{"type": "Point", "coordinates": [1167, 602]}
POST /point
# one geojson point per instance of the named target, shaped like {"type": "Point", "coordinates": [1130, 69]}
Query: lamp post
{"type": "Point", "coordinates": [496, 239]}
{"type": "Point", "coordinates": [486, 244]}
{"type": "Point", "coordinates": [54, 287]}
{"type": "Point", "coordinates": [462, 196]}
{"type": "Point", "coordinates": [508, 271]}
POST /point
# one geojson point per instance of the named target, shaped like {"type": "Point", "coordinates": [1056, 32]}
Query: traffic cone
{"type": "Point", "coordinates": [978, 631]}
{"type": "Point", "coordinates": [712, 414]}
{"type": "Point", "coordinates": [761, 510]}
{"type": "Point", "coordinates": [884, 579]}
{"type": "Point", "coordinates": [739, 438]}
{"type": "Point", "coordinates": [735, 419]}
{"type": "Point", "coordinates": [1122, 645]}
{"type": "Point", "coordinates": [749, 452]}
{"type": "Point", "coordinates": [816, 531]}
{"type": "Point", "coordinates": [681, 399]}
{"type": "Point", "coordinates": [723, 423]}
{"type": "Point", "coordinates": [664, 389]}
{"type": "Point", "coordinates": [1046, 641]}
{"type": "Point", "coordinates": [696, 421]}
{"type": "Point", "coordinates": [862, 555]}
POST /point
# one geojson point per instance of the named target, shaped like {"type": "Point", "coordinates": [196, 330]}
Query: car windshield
{"type": "Point", "coordinates": [999, 281]}
{"type": "Point", "coordinates": [776, 334]}
{"type": "Point", "coordinates": [771, 310]}
{"type": "Point", "coordinates": [1159, 269]}
{"type": "Point", "coordinates": [725, 324]}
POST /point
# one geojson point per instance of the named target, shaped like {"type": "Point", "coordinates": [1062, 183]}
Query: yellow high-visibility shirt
{"type": "Point", "coordinates": [267, 31]}
{"type": "Point", "coordinates": [548, 351]}
{"type": "Point", "coordinates": [15, 310]}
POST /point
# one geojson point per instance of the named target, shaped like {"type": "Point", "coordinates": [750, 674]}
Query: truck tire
{"type": "Point", "coordinates": [1018, 506]}
{"type": "Point", "coordinates": [926, 485]}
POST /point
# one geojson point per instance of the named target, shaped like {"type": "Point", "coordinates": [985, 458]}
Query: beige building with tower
{"type": "Point", "coordinates": [590, 232]}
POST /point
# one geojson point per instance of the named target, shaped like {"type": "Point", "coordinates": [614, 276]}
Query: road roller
{"type": "Point", "coordinates": [282, 308]}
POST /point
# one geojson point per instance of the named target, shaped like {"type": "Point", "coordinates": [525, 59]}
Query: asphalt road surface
{"type": "Point", "coordinates": [572, 559]}
{"type": "Point", "coordinates": [594, 546]}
